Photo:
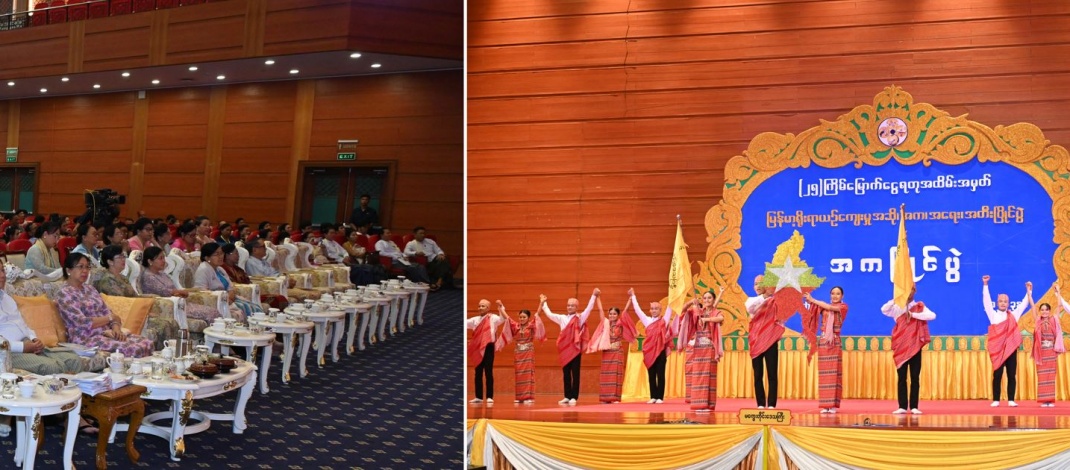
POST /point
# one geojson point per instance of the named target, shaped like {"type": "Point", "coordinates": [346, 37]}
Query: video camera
{"type": "Point", "coordinates": [102, 206]}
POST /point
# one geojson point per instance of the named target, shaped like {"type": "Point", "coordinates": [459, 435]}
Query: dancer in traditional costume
{"type": "Point", "coordinates": [764, 336]}
{"type": "Point", "coordinates": [481, 349]}
{"type": "Point", "coordinates": [909, 337]}
{"type": "Point", "coordinates": [656, 345]}
{"type": "Point", "coordinates": [524, 332]}
{"type": "Point", "coordinates": [1047, 345]}
{"type": "Point", "coordinates": [829, 318]}
{"type": "Point", "coordinates": [701, 323]}
{"type": "Point", "coordinates": [1004, 339]}
{"type": "Point", "coordinates": [612, 337]}
{"type": "Point", "coordinates": [571, 343]}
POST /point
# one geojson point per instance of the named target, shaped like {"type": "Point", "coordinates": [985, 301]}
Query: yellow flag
{"type": "Point", "coordinates": [903, 278]}
{"type": "Point", "coordinates": [680, 285]}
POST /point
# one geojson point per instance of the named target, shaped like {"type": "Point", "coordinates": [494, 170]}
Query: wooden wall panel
{"type": "Point", "coordinates": [591, 124]}
{"type": "Point", "coordinates": [121, 42]}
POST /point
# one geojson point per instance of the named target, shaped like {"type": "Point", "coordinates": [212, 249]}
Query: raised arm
{"type": "Point", "coordinates": [989, 307]}
{"type": "Point", "coordinates": [823, 305]}
{"type": "Point", "coordinates": [720, 293]}
{"type": "Point", "coordinates": [501, 310]}
{"type": "Point", "coordinates": [1062, 301]}
{"type": "Point", "coordinates": [1020, 309]}
{"type": "Point", "coordinates": [924, 314]}
{"type": "Point", "coordinates": [643, 317]}
{"type": "Point", "coordinates": [892, 310]}
{"type": "Point", "coordinates": [554, 317]}
{"type": "Point", "coordinates": [590, 306]}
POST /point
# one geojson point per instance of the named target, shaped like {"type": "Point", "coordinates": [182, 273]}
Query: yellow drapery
{"type": "Point", "coordinates": [945, 375]}
{"type": "Point", "coordinates": [625, 446]}
{"type": "Point", "coordinates": [478, 440]}
{"type": "Point", "coordinates": [873, 448]}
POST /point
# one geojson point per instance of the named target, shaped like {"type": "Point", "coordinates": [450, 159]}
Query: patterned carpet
{"type": "Point", "coordinates": [392, 406]}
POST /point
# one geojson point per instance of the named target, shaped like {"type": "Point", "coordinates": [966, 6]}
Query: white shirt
{"type": "Point", "coordinates": [259, 267]}
{"type": "Point", "coordinates": [495, 320]}
{"type": "Point", "coordinates": [12, 326]}
{"type": "Point", "coordinates": [333, 251]}
{"type": "Point", "coordinates": [647, 320]}
{"type": "Point", "coordinates": [753, 303]}
{"type": "Point", "coordinates": [563, 319]}
{"type": "Point", "coordinates": [999, 316]}
{"type": "Point", "coordinates": [893, 311]}
{"type": "Point", "coordinates": [1066, 306]}
{"type": "Point", "coordinates": [390, 249]}
{"type": "Point", "coordinates": [428, 248]}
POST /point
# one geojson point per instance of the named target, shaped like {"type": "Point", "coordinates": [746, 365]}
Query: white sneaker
{"type": "Point", "coordinates": [915, 411]}
{"type": "Point", "coordinates": [1051, 405]}
{"type": "Point", "coordinates": [761, 407]}
{"type": "Point", "coordinates": [771, 407]}
{"type": "Point", "coordinates": [832, 411]}
{"type": "Point", "coordinates": [704, 410]}
{"type": "Point", "coordinates": [824, 410]}
{"type": "Point", "coordinates": [572, 402]}
{"type": "Point", "coordinates": [659, 401]}
{"type": "Point", "coordinates": [475, 400]}
{"type": "Point", "coordinates": [529, 402]}
{"type": "Point", "coordinates": [1011, 403]}
{"type": "Point", "coordinates": [651, 401]}
{"type": "Point", "coordinates": [490, 401]}
{"type": "Point", "coordinates": [563, 402]}
{"type": "Point", "coordinates": [516, 401]}
{"type": "Point", "coordinates": [899, 412]}
{"type": "Point", "coordinates": [616, 401]}
{"type": "Point", "coordinates": [995, 404]}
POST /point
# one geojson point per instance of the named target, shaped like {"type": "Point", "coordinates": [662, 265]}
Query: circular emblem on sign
{"type": "Point", "coordinates": [892, 131]}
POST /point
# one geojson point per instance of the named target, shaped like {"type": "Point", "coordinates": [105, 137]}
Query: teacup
{"type": "Point", "coordinates": [115, 361]}
{"type": "Point", "coordinates": [228, 325]}
{"type": "Point", "coordinates": [309, 302]}
{"type": "Point", "coordinates": [327, 297]}
{"type": "Point", "coordinates": [282, 317]}
{"type": "Point", "coordinates": [316, 308]}
{"type": "Point", "coordinates": [136, 368]}
{"type": "Point", "coordinates": [219, 324]}
{"type": "Point", "coordinates": [26, 388]}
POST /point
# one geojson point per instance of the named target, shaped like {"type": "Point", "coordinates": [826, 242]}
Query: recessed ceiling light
{"type": "Point", "coordinates": [269, 62]}
{"type": "Point", "coordinates": [44, 90]}
{"type": "Point", "coordinates": [193, 68]}
{"type": "Point", "coordinates": [294, 71]}
{"type": "Point", "coordinates": [355, 55]}
{"type": "Point", "coordinates": [375, 66]}
{"type": "Point", "coordinates": [155, 82]}
{"type": "Point", "coordinates": [65, 79]}
{"type": "Point", "coordinates": [96, 86]}
{"type": "Point", "coordinates": [221, 77]}
{"type": "Point", "coordinates": [126, 74]}
{"type": "Point", "coordinates": [10, 83]}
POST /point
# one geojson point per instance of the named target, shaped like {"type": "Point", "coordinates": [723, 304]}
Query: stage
{"type": "Point", "coordinates": [863, 433]}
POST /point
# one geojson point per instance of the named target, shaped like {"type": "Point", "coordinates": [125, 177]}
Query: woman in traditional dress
{"type": "Point", "coordinates": [611, 337]}
{"type": "Point", "coordinates": [1047, 345]}
{"type": "Point", "coordinates": [702, 323]}
{"type": "Point", "coordinates": [524, 332]}
{"type": "Point", "coordinates": [156, 282]}
{"type": "Point", "coordinates": [829, 318]}
{"type": "Point", "coordinates": [89, 321]}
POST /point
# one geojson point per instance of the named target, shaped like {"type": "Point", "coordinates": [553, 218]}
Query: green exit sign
{"type": "Point", "coordinates": [12, 154]}
{"type": "Point", "coordinates": [347, 155]}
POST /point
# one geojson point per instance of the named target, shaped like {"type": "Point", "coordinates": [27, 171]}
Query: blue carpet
{"type": "Point", "coordinates": [395, 405]}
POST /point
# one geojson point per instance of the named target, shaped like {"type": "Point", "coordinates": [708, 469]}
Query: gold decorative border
{"type": "Point", "coordinates": [933, 135]}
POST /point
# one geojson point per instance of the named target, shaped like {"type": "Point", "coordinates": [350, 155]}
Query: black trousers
{"type": "Point", "coordinates": [656, 377]}
{"type": "Point", "coordinates": [571, 375]}
{"type": "Point", "coordinates": [909, 402]}
{"type": "Point", "coordinates": [770, 358]}
{"type": "Point", "coordinates": [1011, 365]}
{"type": "Point", "coordinates": [486, 368]}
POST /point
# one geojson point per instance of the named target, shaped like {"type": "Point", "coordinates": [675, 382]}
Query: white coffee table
{"type": "Point", "coordinates": [358, 312]}
{"type": "Point", "coordinates": [323, 319]}
{"type": "Point", "coordinates": [28, 413]}
{"type": "Point", "coordinates": [182, 395]}
{"type": "Point", "coordinates": [250, 341]}
{"type": "Point", "coordinates": [396, 298]}
{"type": "Point", "coordinates": [288, 330]}
{"type": "Point", "coordinates": [380, 313]}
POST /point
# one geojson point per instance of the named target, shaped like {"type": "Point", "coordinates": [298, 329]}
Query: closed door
{"type": "Point", "coordinates": [329, 194]}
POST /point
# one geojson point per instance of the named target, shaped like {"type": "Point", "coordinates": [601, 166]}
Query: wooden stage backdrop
{"type": "Point", "coordinates": [592, 124]}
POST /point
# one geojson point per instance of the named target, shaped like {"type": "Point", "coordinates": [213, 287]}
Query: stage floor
{"type": "Point", "coordinates": [937, 414]}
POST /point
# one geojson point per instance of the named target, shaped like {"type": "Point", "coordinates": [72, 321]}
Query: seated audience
{"type": "Point", "coordinates": [187, 238]}
{"type": "Point", "coordinates": [89, 322]}
{"type": "Point", "coordinates": [27, 352]}
{"type": "Point", "coordinates": [161, 235]}
{"type": "Point", "coordinates": [112, 282]}
{"type": "Point", "coordinates": [438, 267]}
{"type": "Point", "coordinates": [204, 230]}
{"type": "Point", "coordinates": [224, 234]}
{"type": "Point", "coordinates": [211, 276]}
{"type": "Point", "coordinates": [154, 281]}
{"type": "Point", "coordinates": [113, 235]}
{"type": "Point", "coordinates": [142, 238]}
{"type": "Point", "coordinates": [42, 256]}
{"type": "Point", "coordinates": [386, 247]}
{"type": "Point", "coordinates": [87, 236]}
{"type": "Point", "coordinates": [238, 275]}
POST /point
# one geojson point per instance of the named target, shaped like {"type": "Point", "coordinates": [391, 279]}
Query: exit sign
{"type": "Point", "coordinates": [12, 154]}
{"type": "Point", "coordinates": [347, 155]}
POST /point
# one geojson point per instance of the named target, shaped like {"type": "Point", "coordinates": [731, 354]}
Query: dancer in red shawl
{"type": "Point", "coordinates": [830, 316]}
{"type": "Point", "coordinates": [656, 345]}
{"type": "Point", "coordinates": [1047, 345]}
{"type": "Point", "coordinates": [702, 324]}
{"type": "Point", "coordinates": [765, 333]}
{"type": "Point", "coordinates": [909, 336]}
{"type": "Point", "coordinates": [525, 332]}
{"type": "Point", "coordinates": [571, 343]}
{"type": "Point", "coordinates": [1004, 338]}
{"type": "Point", "coordinates": [481, 349]}
{"type": "Point", "coordinates": [612, 337]}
